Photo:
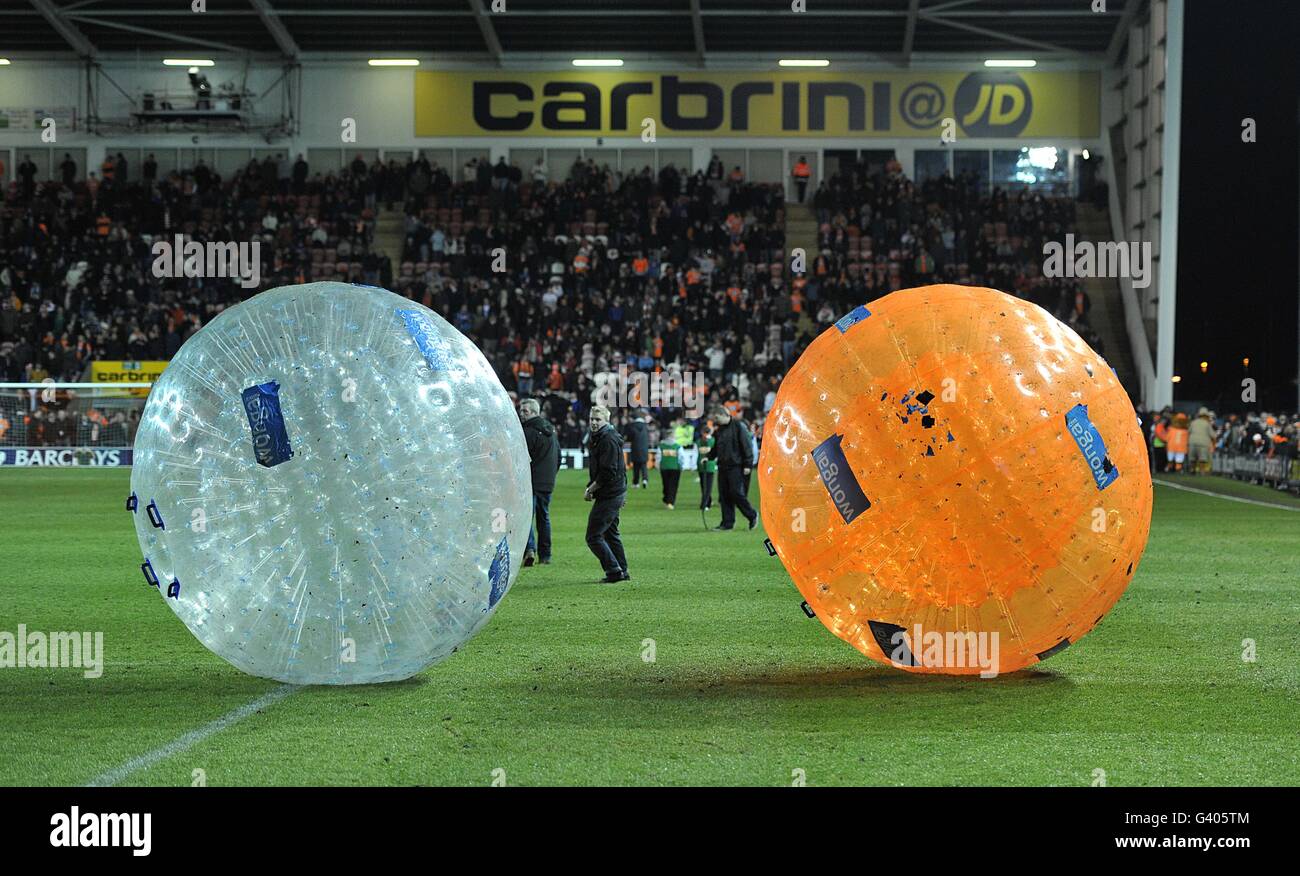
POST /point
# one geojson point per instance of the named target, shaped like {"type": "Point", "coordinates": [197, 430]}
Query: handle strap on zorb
{"type": "Point", "coordinates": [155, 516]}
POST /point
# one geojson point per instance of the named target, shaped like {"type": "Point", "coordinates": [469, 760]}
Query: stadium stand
{"type": "Point", "coordinates": [558, 281]}
{"type": "Point", "coordinates": [882, 232]}
{"type": "Point", "coordinates": [76, 259]}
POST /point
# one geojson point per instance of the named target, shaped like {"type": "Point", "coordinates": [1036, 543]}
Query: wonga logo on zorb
{"type": "Point", "coordinates": [1091, 446]}
{"type": "Point", "coordinates": [841, 484]}
{"type": "Point", "coordinates": [266, 420]}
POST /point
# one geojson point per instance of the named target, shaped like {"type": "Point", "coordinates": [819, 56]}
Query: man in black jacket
{"type": "Point", "coordinates": [27, 177]}
{"type": "Point", "coordinates": [300, 169]}
{"type": "Point", "coordinates": [607, 487]}
{"type": "Point", "coordinates": [544, 452]}
{"type": "Point", "coordinates": [734, 453]}
{"type": "Point", "coordinates": [638, 437]}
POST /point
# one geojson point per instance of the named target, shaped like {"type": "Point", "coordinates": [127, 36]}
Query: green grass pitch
{"type": "Point", "coordinates": [743, 688]}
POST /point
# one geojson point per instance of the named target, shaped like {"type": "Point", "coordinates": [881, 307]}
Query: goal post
{"type": "Point", "coordinates": [53, 425]}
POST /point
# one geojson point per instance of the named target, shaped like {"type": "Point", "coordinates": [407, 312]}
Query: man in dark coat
{"type": "Point", "coordinates": [544, 451]}
{"type": "Point", "coordinates": [733, 450]}
{"type": "Point", "coordinates": [607, 488]}
{"type": "Point", "coordinates": [27, 177]}
{"type": "Point", "coordinates": [638, 436]}
{"type": "Point", "coordinates": [300, 169]}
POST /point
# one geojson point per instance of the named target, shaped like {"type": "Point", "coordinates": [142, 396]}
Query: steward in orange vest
{"type": "Point", "coordinates": [801, 174]}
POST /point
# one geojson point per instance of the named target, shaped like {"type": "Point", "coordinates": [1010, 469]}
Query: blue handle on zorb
{"type": "Point", "coordinates": [155, 516]}
{"type": "Point", "coordinates": [266, 420]}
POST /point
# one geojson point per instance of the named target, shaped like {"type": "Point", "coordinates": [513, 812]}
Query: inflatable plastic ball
{"type": "Point", "coordinates": [955, 481]}
{"type": "Point", "coordinates": [330, 486]}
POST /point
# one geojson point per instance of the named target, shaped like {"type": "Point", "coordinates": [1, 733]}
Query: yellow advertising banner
{"type": "Point", "coordinates": [986, 103]}
{"type": "Point", "coordinates": [112, 371]}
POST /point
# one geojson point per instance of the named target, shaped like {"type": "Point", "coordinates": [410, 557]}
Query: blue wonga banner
{"type": "Point", "coordinates": [852, 318]}
{"type": "Point", "coordinates": [499, 573]}
{"type": "Point", "coordinates": [845, 492]}
{"type": "Point", "coordinates": [435, 350]}
{"type": "Point", "coordinates": [266, 421]}
{"type": "Point", "coordinates": [1091, 446]}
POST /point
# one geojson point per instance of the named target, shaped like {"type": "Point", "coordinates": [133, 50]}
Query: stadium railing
{"type": "Point", "coordinates": [1278, 471]}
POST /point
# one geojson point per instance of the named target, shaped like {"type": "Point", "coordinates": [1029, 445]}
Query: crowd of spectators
{"type": "Point", "coordinates": [561, 282]}
{"type": "Point", "coordinates": [76, 260]}
{"type": "Point", "coordinates": [880, 232]}
{"type": "Point", "coordinates": [599, 270]}
{"type": "Point", "coordinates": [1256, 445]}
{"type": "Point", "coordinates": [66, 422]}
{"type": "Point", "coordinates": [1260, 433]}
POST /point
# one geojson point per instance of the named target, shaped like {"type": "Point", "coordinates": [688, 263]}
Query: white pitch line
{"type": "Point", "coordinates": [194, 737]}
{"type": "Point", "coordinates": [1222, 496]}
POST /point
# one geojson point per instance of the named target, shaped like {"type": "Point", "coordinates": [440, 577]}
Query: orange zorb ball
{"type": "Point", "coordinates": [955, 481]}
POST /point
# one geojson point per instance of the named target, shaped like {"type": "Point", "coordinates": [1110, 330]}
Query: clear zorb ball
{"type": "Point", "coordinates": [330, 486]}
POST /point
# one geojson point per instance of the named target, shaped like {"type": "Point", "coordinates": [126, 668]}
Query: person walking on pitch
{"type": "Point", "coordinates": [607, 488]}
{"type": "Point", "coordinates": [544, 453]}
{"type": "Point", "coordinates": [684, 432]}
{"type": "Point", "coordinates": [708, 467]}
{"type": "Point", "coordinates": [733, 451]}
{"type": "Point", "coordinates": [638, 439]}
{"type": "Point", "coordinates": [670, 467]}
{"type": "Point", "coordinates": [752, 429]}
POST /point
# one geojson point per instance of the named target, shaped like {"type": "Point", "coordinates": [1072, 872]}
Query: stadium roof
{"type": "Point", "coordinates": [701, 32]}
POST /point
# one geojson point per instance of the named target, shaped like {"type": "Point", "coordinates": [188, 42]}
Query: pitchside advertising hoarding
{"type": "Point", "coordinates": [32, 118]}
{"type": "Point", "coordinates": [58, 457]}
{"type": "Point", "coordinates": [114, 371]}
{"type": "Point", "coordinates": [764, 104]}
{"type": "Point", "coordinates": [105, 372]}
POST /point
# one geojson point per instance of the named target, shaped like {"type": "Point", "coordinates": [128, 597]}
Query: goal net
{"type": "Point", "coordinates": [64, 424]}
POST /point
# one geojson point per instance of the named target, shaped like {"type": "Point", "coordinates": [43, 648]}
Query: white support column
{"type": "Point", "coordinates": [905, 152]}
{"type": "Point", "coordinates": [1167, 279]}
{"type": "Point", "coordinates": [700, 157]}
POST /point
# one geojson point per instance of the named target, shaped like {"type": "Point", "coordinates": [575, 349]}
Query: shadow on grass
{"type": "Point", "coordinates": [800, 698]}
{"type": "Point", "coordinates": [55, 691]}
{"type": "Point", "coordinates": [404, 686]}
{"type": "Point", "coordinates": [829, 683]}
{"type": "Point", "coordinates": [54, 688]}
{"type": "Point", "coordinates": [880, 679]}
